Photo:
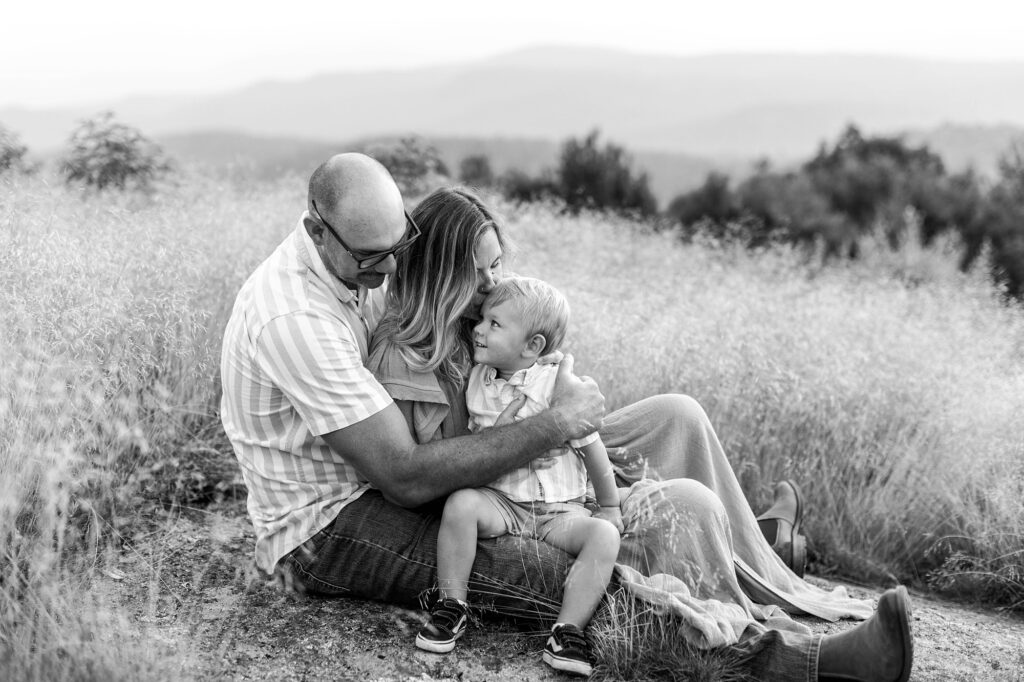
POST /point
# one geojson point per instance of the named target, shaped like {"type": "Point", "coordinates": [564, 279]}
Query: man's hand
{"type": "Point", "coordinates": [508, 415]}
{"type": "Point", "coordinates": [576, 402]}
{"type": "Point", "coordinates": [612, 515]}
{"type": "Point", "coordinates": [552, 358]}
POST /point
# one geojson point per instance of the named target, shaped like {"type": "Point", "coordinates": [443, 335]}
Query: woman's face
{"type": "Point", "coordinates": [489, 268]}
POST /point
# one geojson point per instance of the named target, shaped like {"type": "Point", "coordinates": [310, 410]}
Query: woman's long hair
{"type": "Point", "coordinates": [434, 283]}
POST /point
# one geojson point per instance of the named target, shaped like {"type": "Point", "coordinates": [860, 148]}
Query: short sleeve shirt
{"type": "Point", "coordinates": [487, 395]}
{"type": "Point", "coordinates": [292, 370]}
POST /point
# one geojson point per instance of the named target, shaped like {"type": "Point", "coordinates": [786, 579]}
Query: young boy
{"type": "Point", "coordinates": [523, 319]}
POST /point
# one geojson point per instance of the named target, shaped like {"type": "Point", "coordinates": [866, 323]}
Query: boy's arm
{"type": "Point", "coordinates": [601, 475]}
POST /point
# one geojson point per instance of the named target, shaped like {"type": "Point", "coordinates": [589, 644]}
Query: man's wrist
{"type": "Point", "coordinates": [561, 426]}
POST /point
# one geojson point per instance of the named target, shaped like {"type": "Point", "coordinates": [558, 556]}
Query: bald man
{"type": "Point", "coordinates": [336, 481]}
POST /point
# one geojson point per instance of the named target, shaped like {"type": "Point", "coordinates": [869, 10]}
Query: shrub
{"type": "Point", "coordinates": [104, 153]}
{"type": "Point", "coordinates": [712, 201]}
{"type": "Point", "coordinates": [519, 187]}
{"type": "Point", "coordinates": [475, 171]}
{"type": "Point", "coordinates": [12, 152]}
{"type": "Point", "coordinates": [1004, 223]}
{"type": "Point", "coordinates": [875, 178]}
{"type": "Point", "coordinates": [787, 206]}
{"type": "Point", "coordinates": [593, 177]}
{"type": "Point", "coordinates": [415, 165]}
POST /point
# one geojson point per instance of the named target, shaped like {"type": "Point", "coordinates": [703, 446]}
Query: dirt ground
{"type": "Point", "coordinates": [191, 591]}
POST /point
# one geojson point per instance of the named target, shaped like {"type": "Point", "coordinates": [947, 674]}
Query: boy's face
{"type": "Point", "coordinates": [499, 339]}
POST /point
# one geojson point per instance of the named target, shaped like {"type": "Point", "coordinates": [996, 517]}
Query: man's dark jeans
{"type": "Point", "coordinates": [378, 550]}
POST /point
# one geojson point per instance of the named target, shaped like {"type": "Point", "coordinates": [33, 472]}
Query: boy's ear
{"type": "Point", "coordinates": [535, 346]}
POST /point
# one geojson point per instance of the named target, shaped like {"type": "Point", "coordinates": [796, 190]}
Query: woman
{"type": "Point", "coordinates": [690, 534]}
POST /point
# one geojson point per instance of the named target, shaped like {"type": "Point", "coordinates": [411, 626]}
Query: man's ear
{"type": "Point", "coordinates": [314, 229]}
{"type": "Point", "coordinates": [535, 346]}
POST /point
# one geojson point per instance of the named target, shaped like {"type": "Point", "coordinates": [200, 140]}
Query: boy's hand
{"type": "Point", "coordinates": [549, 458]}
{"type": "Point", "coordinates": [612, 515]}
{"type": "Point", "coordinates": [508, 415]}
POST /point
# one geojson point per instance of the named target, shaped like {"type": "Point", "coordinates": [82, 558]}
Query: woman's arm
{"type": "Point", "coordinates": [406, 408]}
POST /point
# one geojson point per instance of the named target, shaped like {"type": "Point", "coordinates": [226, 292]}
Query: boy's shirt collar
{"type": "Point", "coordinates": [524, 379]}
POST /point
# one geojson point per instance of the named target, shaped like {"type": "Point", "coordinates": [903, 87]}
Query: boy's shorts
{"type": "Point", "coordinates": [533, 519]}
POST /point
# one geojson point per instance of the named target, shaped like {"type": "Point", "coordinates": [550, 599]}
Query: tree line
{"type": "Point", "coordinates": [859, 185]}
{"type": "Point", "coordinates": [862, 184]}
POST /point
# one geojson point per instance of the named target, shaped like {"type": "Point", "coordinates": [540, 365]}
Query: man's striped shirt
{"type": "Point", "coordinates": [292, 370]}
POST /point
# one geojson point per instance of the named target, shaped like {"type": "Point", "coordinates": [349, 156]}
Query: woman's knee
{"type": "Point", "coordinates": [682, 410]}
{"type": "Point", "coordinates": [694, 496]}
{"type": "Point", "coordinates": [673, 501]}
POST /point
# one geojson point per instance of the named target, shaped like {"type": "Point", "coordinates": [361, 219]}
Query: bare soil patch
{"type": "Point", "coordinates": [190, 587]}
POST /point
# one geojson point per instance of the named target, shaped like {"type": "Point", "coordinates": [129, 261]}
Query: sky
{"type": "Point", "coordinates": [65, 52]}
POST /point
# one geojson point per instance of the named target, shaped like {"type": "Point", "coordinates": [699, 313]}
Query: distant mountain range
{"type": "Point", "coordinates": [679, 115]}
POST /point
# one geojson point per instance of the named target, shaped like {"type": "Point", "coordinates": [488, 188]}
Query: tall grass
{"type": "Point", "coordinates": [112, 309]}
{"type": "Point", "coordinates": [632, 641]}
{"type": "Point", "coordinates": [892, 389]}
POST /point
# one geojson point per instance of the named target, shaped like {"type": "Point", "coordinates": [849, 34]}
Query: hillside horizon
{"type": "Point", "coordinates": [724, 105]}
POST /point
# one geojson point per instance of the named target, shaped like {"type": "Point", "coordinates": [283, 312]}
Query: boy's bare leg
{"type": "Point", "coordinates": [468, 515]}
{"type": "Point", "coordinates": [595, 543]}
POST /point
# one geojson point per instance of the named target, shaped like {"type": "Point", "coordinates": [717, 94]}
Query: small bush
{"type": "Point", "coordinates": [12, 152]}
{"type": "Point", "coordinates": [105, 154]}
{"type": "Point", "coordinates": [416, 166]}
{"type": "Point", "coordinates": [475, 171]}
{"type": "Point", "coordinates": [711, 201]}
{"type": "Point", "coordinates": [519, 187]}
{"type": "Point", "coordinates": [593, 177]}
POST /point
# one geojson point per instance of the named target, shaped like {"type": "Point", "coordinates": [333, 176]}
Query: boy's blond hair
{"type": "Point", "coordinates": [543, 307]}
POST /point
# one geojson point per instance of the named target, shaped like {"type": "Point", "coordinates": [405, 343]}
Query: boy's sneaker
{"type": "Point", "coordinates": [448, 621]}
{"type": "Point", "coordinates": [568, 650]}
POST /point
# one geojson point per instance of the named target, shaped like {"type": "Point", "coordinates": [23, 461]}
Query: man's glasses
{"type": "Point", "coordinates": [364, 262]}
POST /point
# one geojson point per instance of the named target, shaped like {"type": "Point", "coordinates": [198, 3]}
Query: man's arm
{"type": "Point", "coordinates": [410, 474]}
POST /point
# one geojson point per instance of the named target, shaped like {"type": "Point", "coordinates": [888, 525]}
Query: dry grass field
{"type": "Point", "coordinates": [892, 388]}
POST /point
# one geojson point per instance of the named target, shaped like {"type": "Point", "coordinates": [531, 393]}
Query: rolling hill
{"type": "Point", "coordinates": [743, 105]}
